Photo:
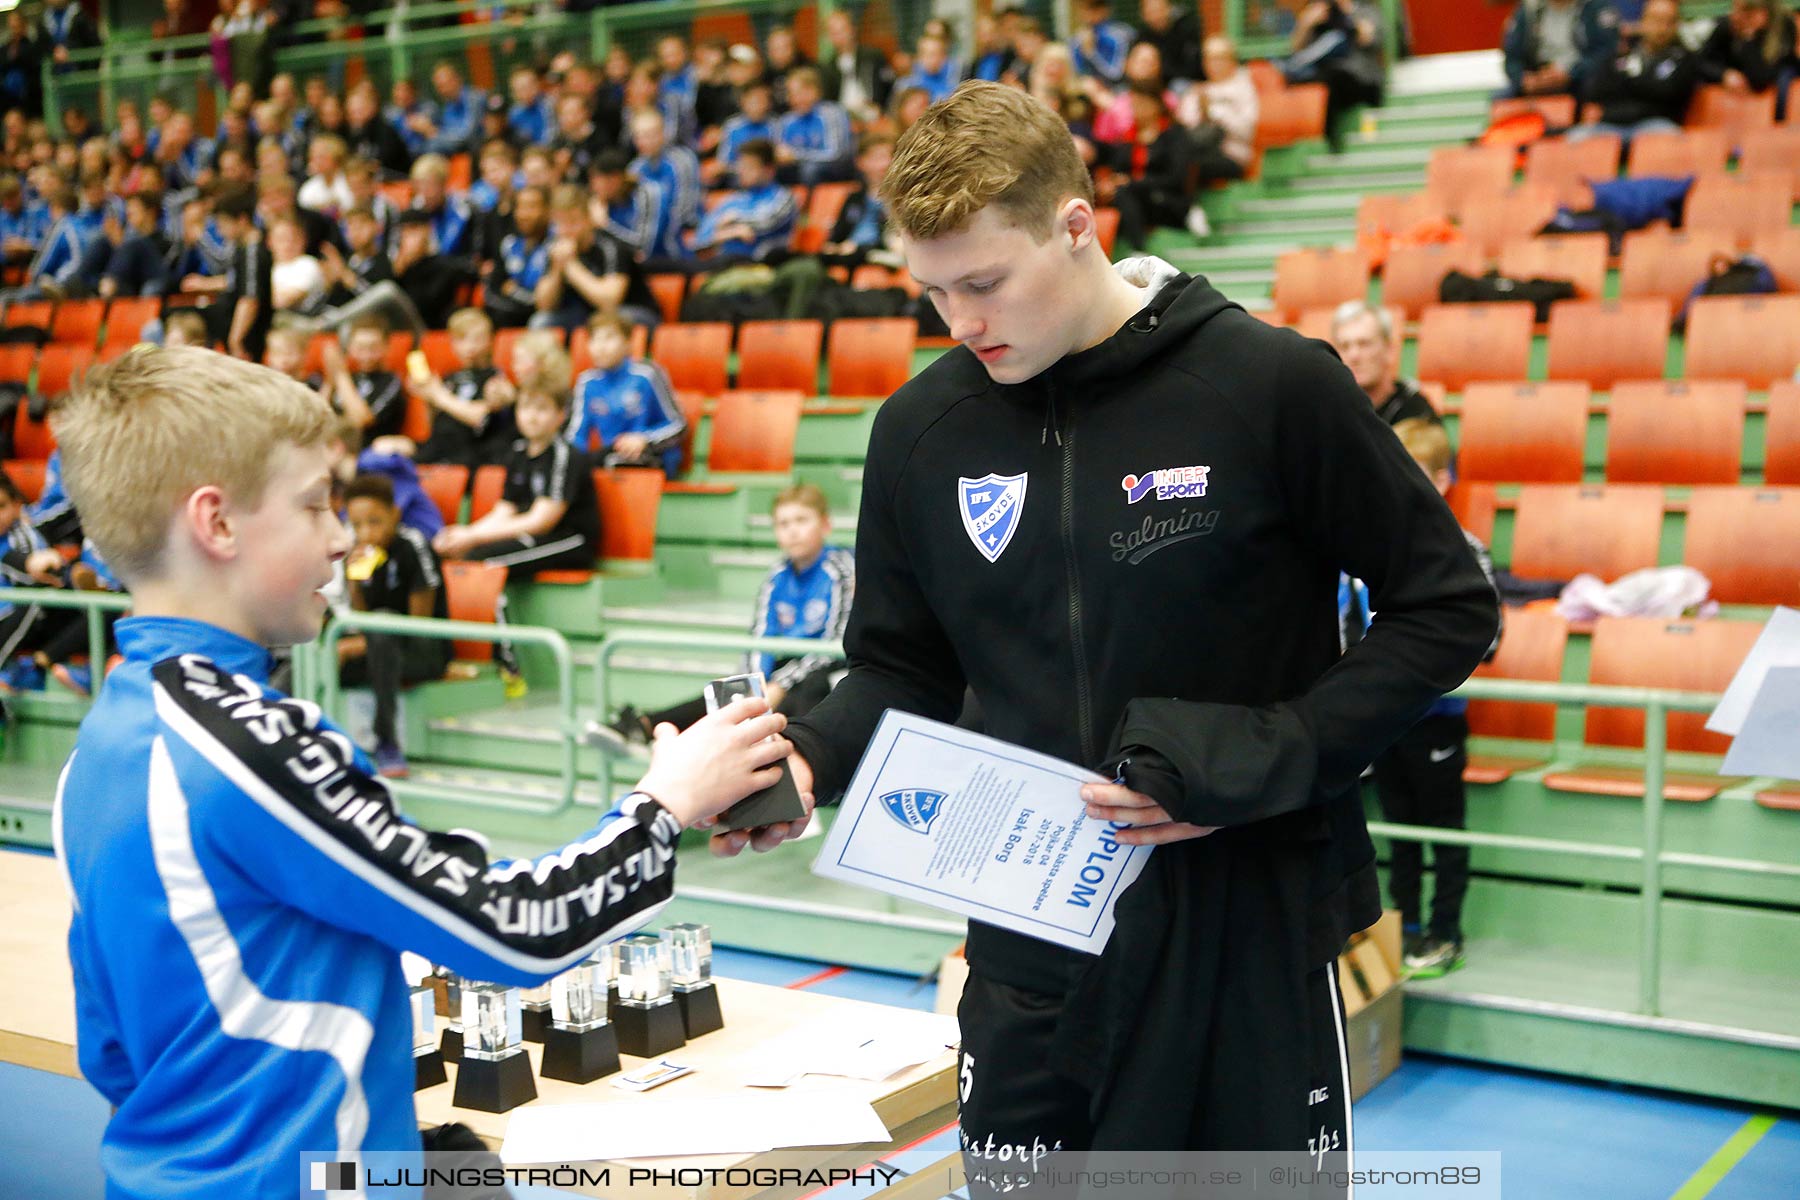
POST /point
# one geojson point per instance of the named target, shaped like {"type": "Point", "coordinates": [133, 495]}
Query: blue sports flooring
{"type": "Point", "coordinates": [1558, 1138]}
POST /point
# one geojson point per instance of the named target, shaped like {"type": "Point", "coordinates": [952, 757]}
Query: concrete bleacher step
{"type": "Point", "coordinates": [1310, 231]}
{"type": "Point", "coordinates": [1235, 254]}
{"type": "Point", "coordinates": [1425, 133]}
{"type": "Point", "coordinates": [1374, 156]}
{"type": "Point", "coordinates": [1332, 204]}
{"type": "Point", "coordinates": [1429, 109]}
{"type": "Point", "coordinates": [1400, 179]}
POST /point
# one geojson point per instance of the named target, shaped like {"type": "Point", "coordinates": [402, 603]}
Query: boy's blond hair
{"type": "Point", "coordinates": [987, 144]}
{"type": "Point", "coordinates": [467, 320]}
{"type": "Point", "coordinates": [554, 371]}
{"type": "Point", "coordinates": [141, 433]}
{"type": "Point", "coordinates": [193, 325]}
{"type": "Point", "coordinates": [808, 494]}
{"type": "Point", "coordinates": [1426, 441]}
{"type": "Point", "coordinates": [295, 339]}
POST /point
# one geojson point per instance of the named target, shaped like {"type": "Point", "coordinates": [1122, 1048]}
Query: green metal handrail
{"type": "Point", "coordinates": [323, 676]}
{"type": "Point", "coordinates": [97, 604]}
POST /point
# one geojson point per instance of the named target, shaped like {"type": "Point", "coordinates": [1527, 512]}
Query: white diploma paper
{"type": "Point", "coordinates": [1778, 646]}
{"type": "Point", "coordinates": [983, 828]}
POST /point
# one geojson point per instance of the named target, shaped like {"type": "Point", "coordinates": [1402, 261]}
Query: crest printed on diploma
{"type": "Point", "coordinates": [915, 808]}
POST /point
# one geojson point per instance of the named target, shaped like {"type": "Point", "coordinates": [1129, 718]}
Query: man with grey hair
{"type": "Point", "coordinates": [1363, 336]}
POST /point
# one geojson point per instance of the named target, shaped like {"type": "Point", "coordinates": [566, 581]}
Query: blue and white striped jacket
{"type": "Point", "coordinates": [633, 397]}
{"type": "Point", "coordinates": [819, 135]}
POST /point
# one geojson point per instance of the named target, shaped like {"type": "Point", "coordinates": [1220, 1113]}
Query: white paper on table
{"type": "Point", "coordinates": [1768, 742]}
{"type": "Point", "coordinates": [872, 1049]}
{"type": "Point", "coordinates": [983, 828]}
{"type": "Point", "coordinates": [675, 1126]}
{"type": "Point", "coordinates": [1778, 646]}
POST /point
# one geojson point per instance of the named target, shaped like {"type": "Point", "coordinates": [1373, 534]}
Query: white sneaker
{"type": "Point", "coordinates": [1197, 223]}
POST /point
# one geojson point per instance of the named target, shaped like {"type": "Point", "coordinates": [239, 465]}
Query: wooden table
{"type": "Point", "coordinates": [37, 1030]}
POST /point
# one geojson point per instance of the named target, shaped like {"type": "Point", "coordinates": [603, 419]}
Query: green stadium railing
{"type": "Point", "coordinates": [95, 604]}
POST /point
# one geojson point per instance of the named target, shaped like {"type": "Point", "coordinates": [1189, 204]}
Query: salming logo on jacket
{"type": "Point", "coordinates": [242, 888]}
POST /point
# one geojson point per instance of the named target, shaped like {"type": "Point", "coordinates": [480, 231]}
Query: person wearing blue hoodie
{"type": "Point", "coordinates": [1558, 47]}
{"type": "Point", "coordinates": [243, 884]}
{"type": "Point", "coordinates": [624, 407]}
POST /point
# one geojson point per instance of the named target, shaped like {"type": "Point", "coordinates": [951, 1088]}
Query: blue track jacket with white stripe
{"type": "Point", "coordinates": [242, 888]}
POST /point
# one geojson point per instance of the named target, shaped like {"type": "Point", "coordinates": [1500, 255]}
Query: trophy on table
{"type": "Point", "coordinates": [649, 1021]}
{"type": "Point", "coordinates": [690, 949]}
{"type": "Point", "coordinates": [607, 959]}
{"type": "Point", "coordinates": [580, 1045]}
{"type": "Point", "coordinates": [494, 1075]}
{"type": "Point", "coordinates": [449, 988]}
{"type": "Point", "coordinates": [428, 1062]}
{"type": "Point", "coordinates": [534, 1012]}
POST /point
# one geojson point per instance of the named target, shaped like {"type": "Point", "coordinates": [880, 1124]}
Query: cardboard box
{"type": "Point", "coordinates": [1369, 976]}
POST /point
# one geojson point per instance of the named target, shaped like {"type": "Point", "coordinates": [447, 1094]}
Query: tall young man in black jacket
{"type": "Point", "coordinates": [1171, 489]}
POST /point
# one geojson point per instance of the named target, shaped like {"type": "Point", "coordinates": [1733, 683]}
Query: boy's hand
{"type": "Point", "coordinates": [45, 566]}
{"type": "Point", "coordinates": [732, 842]}
{"type": "Point", "coordinates": [452, 540]}
{"type": "Point", "coordinates": [630, 445]}
{"type": "Point", "coordinates": [722, 758]}
{"type": "Point", "coordinates": [332, 357]}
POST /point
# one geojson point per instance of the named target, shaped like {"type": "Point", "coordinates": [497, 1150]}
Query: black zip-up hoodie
{"type": "Point", "coordinates": [1214, 608]}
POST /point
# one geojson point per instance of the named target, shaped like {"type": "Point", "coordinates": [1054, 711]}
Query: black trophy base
{"type": "Point", "coordinates": [700, 1011]}
{"type": "Point", "coordinates": [495, 1086]}
{"type": "Point", "coordinates": [428, 1070]}
{"type": "Point", "coordinates": [450, 1045]}
{"type": "Point", "coordinates": [580, 1057]}
{"type": "Point", "coordinates": [612, 1002]}
{"type": "Point", "coordinates": [649, 1032]}
{"type": "Point", "coordinates": [533, 1022]}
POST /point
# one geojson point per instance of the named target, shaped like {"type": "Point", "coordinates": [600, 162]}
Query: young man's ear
{"type": "Point", "coordinates": [1076, 221]}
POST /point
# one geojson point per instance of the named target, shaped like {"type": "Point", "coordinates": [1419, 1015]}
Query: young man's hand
{"type": "Point", "coordinates": [1151, 824]}
{"type": "Point", "coordinates": [722, 758]}
{"type": "Point", "coordinates": [731, 843]}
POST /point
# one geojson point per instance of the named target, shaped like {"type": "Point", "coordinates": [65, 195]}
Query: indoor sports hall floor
{"type": "Point", "coordinates": [1559, 1139]}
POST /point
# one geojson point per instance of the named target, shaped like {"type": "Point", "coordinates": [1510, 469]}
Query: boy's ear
{"type": "Point", "coordinates": [206, 520]}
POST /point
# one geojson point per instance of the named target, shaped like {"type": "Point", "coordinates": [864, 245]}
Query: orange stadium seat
{"type": "Point", "coordinates": [695, 354]}
{"type": "Point", "coordinates": [1772, 152]}
{"type": "Point", "coordinates": [1567, 168]}
{"type": "Point", "coordinates": [1558, 111]}
{"type": "Point", "coordinates": [1463, 177]}
{"type": "Point", "coordinates": [1579, 258]}
{"type": "Point", "coordinates": [400, 344]}
{"type": "Point", "coordinates": [1319, 277]}
{"type": "Point", "coordinates": [1460, 343]}
{"type": "Point", "coordinates": [1603, 341]}
{"type": "Point", "coordinates": [1507, 215]}
{"type": "Point", "coordinates": [629, 498]}
{"type": "Point", "coordinates": [1522, 432]}
{"type": "Point", "coordinates": [35, 313]}
{"type": "Point", "coordinates": [126, 318]}
{"type": "Point", "coordinates": [1667, 264]}
{"type": "Point", "coordinates": [1563, 530]}
{"type": "Point", "coordinates": [1290, 114]}
{"type": "Point", "coordinates": [779, 355]}
{"type": "Point", "coordinates": [1755, 338]}
{"type": "Point", "coordinates": [1106, 228]}
{"type": "Point", "coordinates": [472, 593]}
{"type": "Point", "coordinates": [870, 357]}
{"type": "Point", "coordinates": [27, 475]}
{"type": "Point", "coordinates": [445, 484]}
{"type": "Point", "coordinates": [1695, 656]}
{"type": "Point", "coordinates": [669, 290]}
{"type": "Point", "coordinates": [59, 366]}
{"type": "Point", "coordinates": [504, 340]}
{"type": "Point", "coordinates": [1780, 248]}
{"type": "Point", "coordinates": [1744, 207]}
{"type": "Point", "coordinates": [484, 492]}
{"type": "Point", "coordinates": [1672, 155]}
{"type": "Point", "coordinates": [31, 437]}
{"type": "Point", "coordinates": [822, 209]}
{"type": "Point", "coordinates": [1410, 278]}
{"type": "Point", "coordinates": [415, 423]}
{"type": "Point", "coordinates": [1532, 642]}
{"type": "Point", "coordinates": [77, 322]}
{"type": "Point", "coordinates": [15, 362]}
{"type": "Point", "coordinates": [438, 352]}
{"type": "Point", "coordinates": [1781, 436]}
{"type": "Point", "coordinates": [1742, 539]}
{"type": "Point", "coordinates": [693, 411]}
{"type": "Point", "coordinates": [1675, 433]}
{"type": "Point", "coordinates": [755, 431]}
{"type": "Point", "coordinates": [1266, 76]}
{"type": "Point", "coordinates": [1394, 212]}
{"type": "Point", "coordinates": [1736, 114]}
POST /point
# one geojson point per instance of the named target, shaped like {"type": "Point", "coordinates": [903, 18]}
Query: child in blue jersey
{"type": "Point", "coordinates": [808, 595]}
{"type": "Point", "coordinates": [242, 883]}
{"type": "Point", "coordinates": [625, 413]}
{"type": "Point", "coordinates": [754, 222]}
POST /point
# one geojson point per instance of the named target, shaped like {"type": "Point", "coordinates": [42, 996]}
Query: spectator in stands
{"type": "Point", "coordinates": [21, 68]}
{"type": "Point", "coordinates": [1177, 34]}
{"type": "Point", "coordinates": [182, 327]}
{"type": "Point", "coordinates": [547, 517]}
{"type": "Point", "coordinates": [1227, 100]}
{"type": "Point", "coordinates": [326, 189]}
{"type": "Point", "coordinates": [807, 595]}
{"type": "Point", "coordinates": [286, 353]}
{"type": "Point", "coordinates": [296, 278]}
{"type": "Point", "coordinates": [458, 118]}
{"type": "Point", "coordinates": [429, 279]}
{"type": "Point", "coordinates": [589, 271]}
{"type": "Point", "coordinates": [1028, 41]}
{"type": "Point", "coordinates": [908, 105]}
{"type": "Point", "coordinates": [1056, 86]}
{"type": "Point", "coordinates": [672, 168]}
{"type": "Point", "coordinates": [530, 118]}
{"type": "Point", "coordinates": [139, 263]}
{"type": "Point", "coordinates": [276, 200]}
{"type": "Point", "coordinates": [1158, 191]}
{"type": "Point", "coordinates": [993, 55]}
{"type": "Point", "coordinates": [408, 112]}
{"type": "Point", "coordinates": [370, 135]}
{"type": "Point", "coordinates": [755, 119]}
{"type": "Point", "coordinates": [463, 403]}
{"type": "Point", "coordinates": [932, 69]}
{"type": "Point", "coordinates": [360, 175]}
{"type": "Point", "coordinates": [1648, 87]}
{"type": "Point", "coordinates": [65, 30]}
{"type": "Point", "coordinates": [366, 266]}
{"type": "Point", "coordinates": [493, 187]}
{"type": "Point", "coordinates": [678, 86]}
{"type": "Point", "coordinates": [1338, 43]}
{"type": "Point", "coordinates": [1418, 780]}
{"type": "Point", "coordinates": [756, 221]}
{"type": "Point", "coordinates": [857, 78]}
{"type": "Point", "coordinates": [446, 214]}
{"type": "Point", "coordinates": [362, 387]}
{"type": "Point", "coordinates": [578, 141]}
{"type": "Point", "coordinates": [242, 308]}
{"type": "Point", "coordinates": [1099, 44]}
{"type": "Point", "coordinates": [861, 227]}
{"type": "Point", "coordinates": [1750, 48]}
{"type": "Point", "coordinates": [634, 211]}
{"type": "Point", "coordinates": [391, 569]}
{"type": "Point", "coordinates": [524, 256]}
{"type": "Point", "coordinates": [715, 98]}
{"type": "Point", "coordinates": [1114, 115]}
{"type": "Point", "coordinates": [26, 560]}
{"type": "Point", "coordinates": [1364, 338]}
{"type": "Point", "coordinates": [782, 56]}
{"type": "Point", "coordinates": [813, 139]}
{"type": "Point", "coordinates": [625, 409]}
{"type": "Point", "coordinates": [1558, 47]}
{"type": "Point", "coordinates": [23, 226]}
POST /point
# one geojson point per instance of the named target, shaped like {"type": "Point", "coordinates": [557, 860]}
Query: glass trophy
{"type": "Point", "coordinates": [690, 951]}
{"type": "Point", "coordinates": [534, 1012]}
{"type": "Point", "coordinates": [580, 1045]}
{"type": "Point", "coordinates": [428, 1062]}
{"type": "Point", "coordinates": [494, 1075]}
{"type": "Point", "coordinates": [607, 959]}
{"type": "Point", "coordinates": [450, 987]}
{"type": "Point", "coordinates": [648, 1019]}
